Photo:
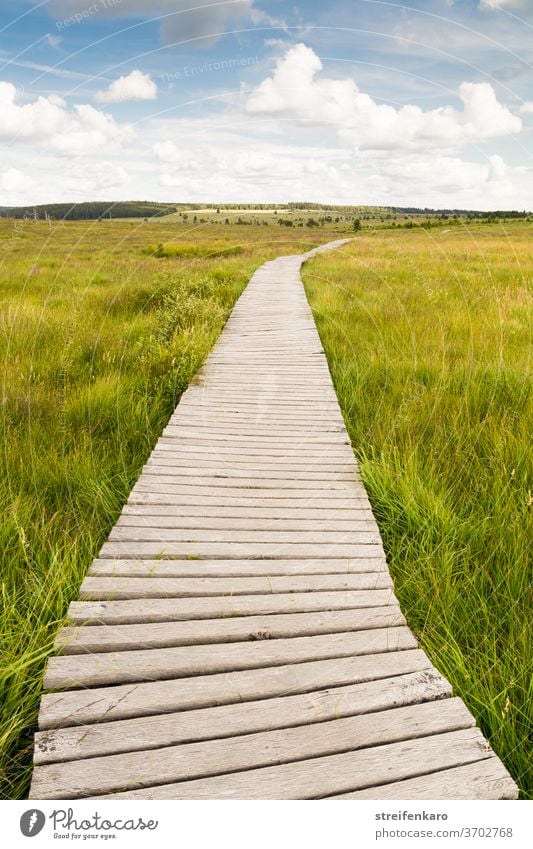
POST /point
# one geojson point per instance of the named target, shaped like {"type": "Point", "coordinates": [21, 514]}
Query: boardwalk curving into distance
{"type": "Point", "coordinates": [238, 636]}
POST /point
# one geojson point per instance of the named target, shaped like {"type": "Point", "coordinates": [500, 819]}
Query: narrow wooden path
{"type": "Point", "coordinates": [238, 636]}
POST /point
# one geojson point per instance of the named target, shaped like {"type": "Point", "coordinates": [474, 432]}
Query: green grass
{"type": "Point", "coordinates": [98, 342]}
{"type": "Point", "coordinates": [427, 336]}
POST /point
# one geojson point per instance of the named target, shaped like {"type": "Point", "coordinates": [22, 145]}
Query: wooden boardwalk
{"type": "Point", "coordinates": [238, 636]}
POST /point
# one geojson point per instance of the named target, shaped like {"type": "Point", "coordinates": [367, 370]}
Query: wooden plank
{"type": "Point", "coordinates": [212, 497]}
{"type": "Point", "coordinates": [287, 433]}
{"type": "Point", "coordinates": [213, 723]}
{"type": "Point", "coordinates": [97, 588]}
{"type": "Point", "coordinates": [182, 609]}
{"type": "Point", "coordinates": [246, 489]}
{"type": "Point", "coordinates": [203, 436]}
{"type": "Point", "coordinates": [239, 550]}
{"type": "Point", "coordinates": [344, 485]}
{"type": "Point", "coordinates": [126, 701]}
{"type": "Point", "coordinates": [71, 672]}
{"type": "Point", "coordinates": [153, 635]}
{"type": "Point", "coordinates": [262, 416]}
{"type": "Point", "coordinates": [485, 779]}
{"type": "Point", "coordinates": [174, 519]}
{"type": "Point", "coordinates": [221, 451]}
{"type": "Point", "coordinates": [256, 516]}
{"type": "Point", "coordinates": [147, 533]}
{"type": "Point", "coordinates": [182, 763]}
{"type": "Point", "coordinates": [163, 460]}
{"type": "Point", "coordinates": [325, 776]}
{"type": "Point", "coordinates": [233, 568]}
{"type": "Point", "coordinates": [223, 472]}
{"type": "Point", "coordinates": [227, 550]}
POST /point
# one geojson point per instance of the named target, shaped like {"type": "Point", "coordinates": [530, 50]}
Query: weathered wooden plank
{"type": "Point", "coordinates": [233, 568]}
{"type": "Point", "coordinates": [222, 451]}
{"type": "Point", "coordinates": [97, 588]}
{"type": "Point", "coordinates": [164, 459]}
{"type": "Point", "coordinates": [147, 533]}
{"type": "Point", "coordinates": [343, 484]}
{"type": "Point", "coordinates": [291, 459]}
{"type": "Point", "coordinates": [304, 420]}
{"type": "Point", "coordinates": [213, 497]}
{"type": "Point", "coordinates": [126, 701]}
{"type": "Point", "coordinates": [70, 672]}
{"type": "Point", "coordinates": [182, 609]}
{"type": "Point", "coordinates": [290, 429]}
{"type": "Point", "coordinates": [153, 635]}
{"type": "Point", "coordinates": [257, 516]}
{"type": "Point", "coordinates": [200, 437]}
{"type": "Point", "coordinates": [485, 779]}
{"type": "Point", "coordinates": [327, 775]}
{"type": "Point", "coordinates": [228, 476]}
{"type": "Point", "coordinates": [239, 550]}
{"type": "Point", "coordinates": [144, 733]}
{"type": "Point", "coordinates": [175, 519]}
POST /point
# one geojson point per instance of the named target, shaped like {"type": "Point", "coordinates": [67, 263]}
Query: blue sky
{"type": "Point", "coordinates": [352, 101]}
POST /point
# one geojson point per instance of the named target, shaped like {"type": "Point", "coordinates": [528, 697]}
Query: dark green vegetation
{"type": "Point", "coordinates": [428, 339]}
{"type": "Point", "coordinates": [89, 211]}
{"type": "Point", "coordinates": [98, 342]}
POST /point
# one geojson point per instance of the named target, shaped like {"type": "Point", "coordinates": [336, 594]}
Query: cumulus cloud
{"type": "Point", "coordinates": [296, 90]}
{"type": "Point", "coordinates": [134, 86]}
{"type": "Point", "coordinates": [14, 181]}
{"type": "Point", "coordinates": [527, 108]}
{"type": "Point", "coordinates": [48, 122]}
{"type": "Point", "coordinates": [186, 18]}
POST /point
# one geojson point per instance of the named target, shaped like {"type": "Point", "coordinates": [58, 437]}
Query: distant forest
{"type": "Point", "coordinates": [89, 211]}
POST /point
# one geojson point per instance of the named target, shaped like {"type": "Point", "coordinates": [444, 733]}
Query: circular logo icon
{"type": "Point", "coordinates": [32, 822]}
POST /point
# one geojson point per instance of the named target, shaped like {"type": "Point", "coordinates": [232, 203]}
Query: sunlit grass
{"type": "Point", "coordinates": [428, 340]}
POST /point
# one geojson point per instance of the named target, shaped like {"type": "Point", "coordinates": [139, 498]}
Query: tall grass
{"type": "Point", "coordinates": [427, 336]}
{"type": "Point", "coordinates": [98, 342]}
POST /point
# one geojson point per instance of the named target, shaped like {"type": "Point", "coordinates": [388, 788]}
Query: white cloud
{"type": "Point", "coordinates": [167, 151]}
{"type": "Point", "coordinates": [442, 174]}
{"type": "Point", "coordinates": [135, 86]}
{"type": "Point", "coordinates": [527, 108]}
{"type": "Point", "coordinates": [497, 169]}
{"type": "Point", "coordinates": [88, 179]}
{"type": "Point", "coordinates": [186, 18]}
{"type": "Point", "coordinates": [295, 90]}
{"type": "Point", "coordinates": [14, 181]}
{"type": "Point", "coordinates": [48, 122]}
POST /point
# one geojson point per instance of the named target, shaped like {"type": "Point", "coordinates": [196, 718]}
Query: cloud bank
{"type": "Point", "coordinates": [295, 90]}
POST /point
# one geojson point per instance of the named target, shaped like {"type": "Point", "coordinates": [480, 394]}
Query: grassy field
{"type": "Point", "coordinates": [105, 323]}
{"type": "Point", "coordinates": [427, 336]}
{"type": "Point", "coordinates": [99, 338]}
